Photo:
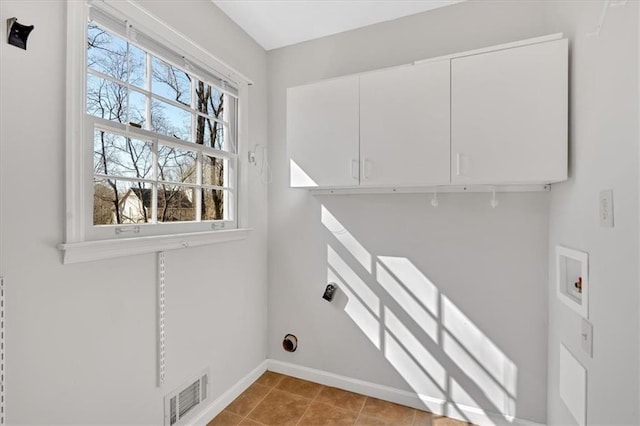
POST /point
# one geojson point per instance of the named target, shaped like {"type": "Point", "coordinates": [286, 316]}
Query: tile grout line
{"type": "Point", "coordinates": [259, 402]}
{"type": "Point", "coordinates": [254, 408]}
{"type": "Point", "coordinates": [366, 398]}
{"type": "Point", "coordinates": [310, 403]}
{"type": "Point", "coordinates": [334, 405]}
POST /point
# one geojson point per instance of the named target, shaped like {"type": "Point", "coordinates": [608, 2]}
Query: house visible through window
{"type": "Point", "coordinates": [163, 136]}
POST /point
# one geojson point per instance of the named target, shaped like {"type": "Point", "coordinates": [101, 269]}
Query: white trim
{"type": "Point", "coordinates": [228, 396]}
{"type": "Point", "coordinates": [429, 189]}
{"type": "Point", "coordinates": [638, 162]}
{"type": "Point", "coordinates": [504, 46]}
{"type": "Point", "coordinates": [75, 151]}
{"type": "Point", "coordinates": [397, 396]}
{"type": "Point", "coordinates": [106, 249]}
{"type": "Point", "coordinates": [136, 13]}
{"type": "Point", "coordinates": [242, 173]}
{"type": "Point", "coordinates": [148, 135]}
{"type": "Point", "coordinates": [162, 182]}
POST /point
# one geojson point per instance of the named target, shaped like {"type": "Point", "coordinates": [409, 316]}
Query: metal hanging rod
{"type": "Point", "coordinates": [430, 189]}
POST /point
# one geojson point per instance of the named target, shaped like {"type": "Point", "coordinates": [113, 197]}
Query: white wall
{"type": "Point", "coordinates": [491, 264]}
{"type": "Point", "coordinates": [603, 155]}
{"type": "Point", "coordinates": [83, 335]}
{"type": "Point", "coordinates": [81, 338]}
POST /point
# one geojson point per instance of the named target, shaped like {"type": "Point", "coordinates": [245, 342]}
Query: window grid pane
{"type": "Point", "coordinates": [213, 204]}
{"type": "Point", "coordinates": [170, 82]}
{"type": "Point", "coordinates": [144, 181]}
{"type": "Point", "coordinates": [107, 53]}
{"type": "Point", "coordinates": [121, 202]}
{"type": "Point", "coordinates": [177, 165]}
{"type": "Point", "coordinates": [176, 203]}
{"type": "Point", "coordinates": [106, 99]}
{"type": "Point", "coordinates": [121, 156]}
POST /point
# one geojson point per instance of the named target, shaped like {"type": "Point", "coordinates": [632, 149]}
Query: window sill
{"type": "Point", "coordinates": [88, 251]}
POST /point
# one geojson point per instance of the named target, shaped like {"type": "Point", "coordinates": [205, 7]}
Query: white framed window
{"type": "Point", "coordinates": [155, 137]}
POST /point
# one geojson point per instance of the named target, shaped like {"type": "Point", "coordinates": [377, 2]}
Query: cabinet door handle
{"type": "Point", "coordinates": [458, 164]}
{"type": "Point", "coordinates": [354, 169]}
{"type": "Point", "coordinates": [365, 174]}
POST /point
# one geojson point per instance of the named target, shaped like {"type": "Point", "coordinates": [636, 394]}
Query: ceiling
{"type": "Point", "coordinates": [279, 23]}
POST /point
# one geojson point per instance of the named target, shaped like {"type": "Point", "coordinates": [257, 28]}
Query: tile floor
{"type": "Point", "coordinates": [275, 399]}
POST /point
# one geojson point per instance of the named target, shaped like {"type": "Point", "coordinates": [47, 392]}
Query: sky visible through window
{"type": "Point", "coordinates": [140, 180]}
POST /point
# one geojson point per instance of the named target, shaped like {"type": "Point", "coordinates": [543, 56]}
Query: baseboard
{"type": "Point", "coordinates": [227, 397]}
{"type": "Point", "coordinates": [410, 399]}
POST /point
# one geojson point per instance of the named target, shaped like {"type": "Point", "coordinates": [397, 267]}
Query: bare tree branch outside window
{"type": "Point", "coordinates": [115, 92]}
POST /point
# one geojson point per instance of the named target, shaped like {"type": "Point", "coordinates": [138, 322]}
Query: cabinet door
{"type": "Point", "coordinates": [404, 126]}
{"type": "Point", "coordinates": [322, 133]}
{"type": "Point", "coordinates": [509, 115]}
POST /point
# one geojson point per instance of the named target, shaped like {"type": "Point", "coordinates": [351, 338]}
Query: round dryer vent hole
{"type": "Point", "coordinates": [290, 343]}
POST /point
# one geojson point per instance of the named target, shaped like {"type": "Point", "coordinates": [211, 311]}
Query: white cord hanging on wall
{"type": "Point", "coordinates": [264, 170]}
{"type": "Point", "coordinates": [603, 15]}
{"type": "Point", "coordinates": [434, 200]}
{"type": "Point", "coordinates": [494, 201]}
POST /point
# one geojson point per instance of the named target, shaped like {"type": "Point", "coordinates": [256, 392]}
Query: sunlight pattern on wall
{"type": "Point", "coordinates": [298, 176]}
{"type": "Point", "coordinates": [363, 305]}
{"type": "Point", "coordinates": [483, 361]}
{"type": "Point", "coordinates": [412, 301]}
{"type": "Point", "coordinates": [460, 396]}
{"type": "Point", "coordinates": [346, 239]}
{"type": "Point", "coordinates": [412, 357]}
{"type": "Point", "coordinates": [415, 282]}
{"type": "Point", "coordinates": [449, 359]}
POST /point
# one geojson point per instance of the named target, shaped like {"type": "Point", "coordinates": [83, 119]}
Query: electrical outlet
{"type": "Point", "coordinates": [586, 337]}
{"type": "Point", "coordinates": [606, 209]}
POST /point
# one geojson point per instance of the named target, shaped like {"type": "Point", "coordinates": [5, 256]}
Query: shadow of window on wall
{"type": "Point", "coordinates": [441, 354]}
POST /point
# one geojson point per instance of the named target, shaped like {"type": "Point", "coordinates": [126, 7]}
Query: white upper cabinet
{"type": "Point", "coordinates": [509, 115]}
{"type": "Point", "coordinates": [323, 133]}
{"type": "Point", "coordinates": [404, 126]}
{"type": "Point", "coordinates": [493, 116]}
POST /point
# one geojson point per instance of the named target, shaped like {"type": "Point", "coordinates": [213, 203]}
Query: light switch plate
{"type": "Point", "coordinates": [586, 337]}
{"type": "Point", "coordinates": [606, 209]}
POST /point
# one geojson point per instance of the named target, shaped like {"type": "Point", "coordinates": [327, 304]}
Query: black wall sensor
{"type": "Point", "coordinates": [329, 292]}
{"type": "Point", "coordinates": [17, 34]}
